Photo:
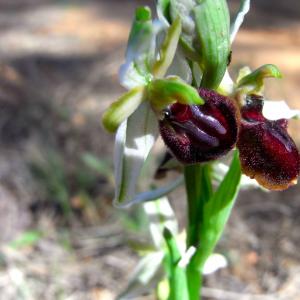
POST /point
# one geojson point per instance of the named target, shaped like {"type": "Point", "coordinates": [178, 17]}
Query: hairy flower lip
{"type": "Point", "coordinates": [267, 152]}
{"type": "Point", "coordinates": [196, 134]}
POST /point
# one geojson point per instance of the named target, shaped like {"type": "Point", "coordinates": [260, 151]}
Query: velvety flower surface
{"type": "Point", "coordinates": [267, 152]}
{"type": "Point", "coordinates": [199, 133]}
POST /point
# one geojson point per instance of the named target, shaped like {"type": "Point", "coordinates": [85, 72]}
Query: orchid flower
{"type": "Point", "coordinates": [180, 88]}
{"type": "Point", "coordinates": [134, 115]}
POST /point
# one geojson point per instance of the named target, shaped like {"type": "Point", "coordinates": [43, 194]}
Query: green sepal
{"type": "Point", "coordinates": [163, 92]}
{"type": "Point", "coordinates": [212, 26]}
{"type": "Point", "coordinates": [168, 50]}
{"type": "Point", "coordinates": [121, 109]}
{"type": "Point", "coordinates": [254, 82]}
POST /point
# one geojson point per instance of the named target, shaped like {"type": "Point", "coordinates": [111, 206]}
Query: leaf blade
{"type": "Point", "coordinates": [217, 211]}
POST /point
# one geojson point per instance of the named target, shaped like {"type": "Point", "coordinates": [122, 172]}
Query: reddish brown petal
{"type": "Point", "coordinates": [200, 133]}
{"type": "Point", "coordinates": [267, 152]}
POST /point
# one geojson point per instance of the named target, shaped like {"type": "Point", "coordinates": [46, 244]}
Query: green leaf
{"type": "Point", "coordinates": [168, 50]}
{"type": "Point", "coordinates": [50, 171]}
{"type": "Point", "coordinates": [134, 140]}
{"type": "Point", "coordinates": [97, 164]}
{"type": "Point", "coordinates": [177, 276]}
{"type": "Point", "coordinates": [121, 109]}
{"type": "Point", "coordinates": [216, 212]}
{"type": "Point", "coordinates": [243, 10]}
{"type": "Point", "coordinates": [254, 82]}
{"type": "Point", "coordinates": [162, 92]}
{"type": "Point", "coordinates": [28, 238]}
{"type": "Point", "coordinates": [212, 25]}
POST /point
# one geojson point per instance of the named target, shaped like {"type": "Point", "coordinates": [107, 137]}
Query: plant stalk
{"type": "Point", "coordinates": [199, 190]}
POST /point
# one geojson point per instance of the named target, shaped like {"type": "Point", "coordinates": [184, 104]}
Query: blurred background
{"type": "Point", "coordinates": [60, 237]}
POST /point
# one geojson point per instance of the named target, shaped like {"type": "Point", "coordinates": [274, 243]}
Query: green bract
{"type": "Point", "coordinates": [212, 25]}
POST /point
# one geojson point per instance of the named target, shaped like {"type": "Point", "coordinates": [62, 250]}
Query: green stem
{"type": "Point", "coordinates": [199, 190]}
{"type": "Point", "coordinates": [194, 279]}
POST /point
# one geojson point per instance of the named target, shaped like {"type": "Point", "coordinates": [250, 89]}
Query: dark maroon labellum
{"type": "Point", "coordinates": [267, 152]}
{"type": "Point", "coordinates": [199, 133]}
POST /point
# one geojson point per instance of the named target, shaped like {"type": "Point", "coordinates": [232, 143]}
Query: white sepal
{"type": "Point", "coordinates": [180, 68]}
{"type": "Point", "coordinates": [134, 140]}
{"type": "Point", "coordinates": [160, 6]}
{"type": "Point", "coordinates": [275, 110]}
{"type": "Point", "coordinates": [160, 215]}
{"type": "Point", "coordinates": [186, 257]}
{"type": "Point", "coordinates": [226, 86]}
{"type": "Point", "coordinates": [154, 194]}
{"type": "Point", "coordinates": [145, 276]}
{"type": "Point", "coordinates": [213, 263]}
{"type": "Point", "coordinates": [243, 10]}
{"type": "Point", "coordinates": [184, 9]}
{"type": "Point", "coordinates": [130, 77]}
{"type": "Point", "coordinates": [220, 170]}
